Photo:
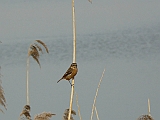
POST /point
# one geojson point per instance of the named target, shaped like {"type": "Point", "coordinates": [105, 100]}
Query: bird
{"type": "Point", "coordinates": [70, 73]}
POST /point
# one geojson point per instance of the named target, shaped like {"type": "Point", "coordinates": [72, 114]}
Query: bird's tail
{"type": "Point", "coordinates": [59, 80]}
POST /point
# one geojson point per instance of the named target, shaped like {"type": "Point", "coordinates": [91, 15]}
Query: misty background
{"type": "Point", "coordinates": [121, 36]}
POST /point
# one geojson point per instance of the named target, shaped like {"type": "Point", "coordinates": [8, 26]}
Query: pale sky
{"type": "Point", "coordinates": [128, 82]}
{"type": "Point", "coordinates": [36, 18]}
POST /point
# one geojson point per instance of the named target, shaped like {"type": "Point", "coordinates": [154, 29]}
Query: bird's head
{"type": "Point", "coordinates": [74, 65]}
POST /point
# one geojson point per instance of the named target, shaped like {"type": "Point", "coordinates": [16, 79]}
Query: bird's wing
{"type": "Point", "coordinates": [69, 71]}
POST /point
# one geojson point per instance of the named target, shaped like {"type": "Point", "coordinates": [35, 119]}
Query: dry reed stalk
{"type": "Point", "coordinates": [27, 81]}
{"type": "Point", "coordinates": [71, 100]}
{"type": "Point", "coordinates": [44, 116]}
{"type": "Point", "coordinates": [96, 113]}
{"type": "Point", "coordinates": [33, 51]}
{"type": "Point", "coordinates": [74, 56]}
{"type": "Point", "coordinates": [93, 107]}
{"type": "Point", "coordinates": [2, 97]}
{"type": "Point", "coordinates": [78, 107]}
{"type": "Point", "coordinates": [149, 107]}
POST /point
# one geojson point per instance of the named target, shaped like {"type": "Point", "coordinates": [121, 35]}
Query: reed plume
{"type": "Point", "coordinates": [2, 97]}
{"type": "Point", "coordinates": [44, 45]}
{"type": "Point", "coordinates": [44, 116]}
{"type": "Point", "coordinates": [34, 50]}
{"type": "Point", "coordinates": [145, 117]}
{"type": "Point", "coordinates": [26, 112]}
{"type": "Point", "coordinates": [66, 113]}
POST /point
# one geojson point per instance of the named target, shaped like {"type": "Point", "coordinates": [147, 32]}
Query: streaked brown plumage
{"type": "Point", "coordinates": [71, 72]}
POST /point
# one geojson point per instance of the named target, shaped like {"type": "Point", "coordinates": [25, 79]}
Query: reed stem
{"type": "Point", "coordinates": [78, 107]}
{"type": "Point", "coordinates": [93, 107]}
{"type": "Point", "coordinates": [74, 57]}
{"type": "Point", "coordinates": [96, 113]}
{"type": "Point", "coordinates": [27, 81]}
{"type": "Point", "coordinates": [149, 108]}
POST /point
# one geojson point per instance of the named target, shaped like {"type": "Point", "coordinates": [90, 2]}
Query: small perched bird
{"type": "Point", "coordinates": [71, 72]}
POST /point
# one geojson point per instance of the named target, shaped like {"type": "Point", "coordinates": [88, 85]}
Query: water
{"type": "Point", "coordinates": [131, 59]}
